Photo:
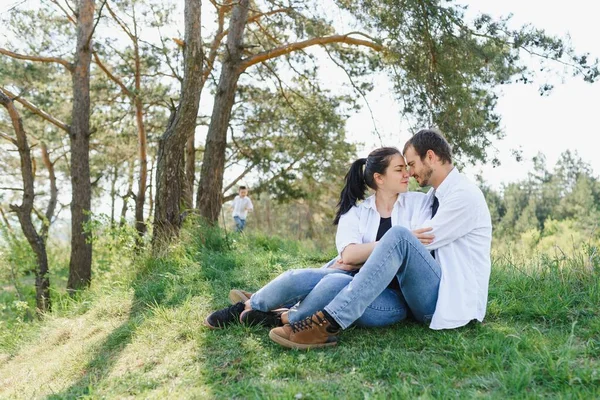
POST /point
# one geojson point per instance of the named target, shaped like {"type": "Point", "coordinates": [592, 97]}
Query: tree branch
{"type": "Point", "coordinates": [69, 16]}
{"type": "Point", "coordinates": [240, 177]}
{"type": "Point", "coordinates": [7, 223]}
{"type": "Point", "coordinates": [120, 23]}
{"type": "Point", "coordinates": [26, 57]}
{"type": "Point", "coordinates": [8, 137]}
{"type": "Point", "coordinates": [263, 185]}
{"type": "Point", "coordinates": [53, 192]}
{"type": "Point", "coordinates": [31, 107]}
{"type": "Point", "coordinates": [288, 48]}
{"type": "Point", "coordinates": [89, 39]}
{"type": "Point", "coordinates": [220, 34]}
{"type": "Point", "coordinates": [112, 77]}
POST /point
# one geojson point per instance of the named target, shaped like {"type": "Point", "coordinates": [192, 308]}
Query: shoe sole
{"type": "Point", "coordinates": [208, 325]}
{"type": "Point", "coordinates": [298, 346]}
{"type": "Point", "coordinates": [235, 296]}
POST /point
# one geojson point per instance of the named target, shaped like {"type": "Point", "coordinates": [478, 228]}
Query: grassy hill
{"type": "Point", "coordinates": [137, 333]}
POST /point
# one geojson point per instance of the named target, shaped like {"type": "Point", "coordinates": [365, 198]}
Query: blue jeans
{"type": "Point", "coordinates": [399, 254]}
{"type": "Point", "coordinates": [314, 288]}
{"type": "Point", "coordinates": [240, 224]}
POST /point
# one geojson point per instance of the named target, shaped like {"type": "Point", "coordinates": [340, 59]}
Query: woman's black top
{"type": "Point", "coordinates": [384, 225]}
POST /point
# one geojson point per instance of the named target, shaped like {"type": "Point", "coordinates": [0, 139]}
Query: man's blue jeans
{"type": "Point", "coordinates": [399, 254]}
{"type": "Point", "coordinates": [240, 224]}
{"type": "Point", "coordinates": [314, 288]}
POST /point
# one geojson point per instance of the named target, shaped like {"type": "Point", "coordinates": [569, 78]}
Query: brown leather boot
{"type": "Point", "coordinates": [237, 295]}
{"type": "Point", "coordinates": [312, 332]}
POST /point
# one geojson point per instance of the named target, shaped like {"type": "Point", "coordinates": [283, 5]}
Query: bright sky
{"type": "Point", "coordinates": [567, 119]}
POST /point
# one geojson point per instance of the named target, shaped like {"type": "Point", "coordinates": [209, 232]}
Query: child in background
{"type": "Point", "coordinates": [240, 207]}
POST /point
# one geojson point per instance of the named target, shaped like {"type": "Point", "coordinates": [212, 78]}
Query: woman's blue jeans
{"type": "Point", "coordinates": [399, 255]}
{"type": "Point", "coordinates": [309, 290]}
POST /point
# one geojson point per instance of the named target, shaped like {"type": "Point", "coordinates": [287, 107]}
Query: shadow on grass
{"type": "Point", "coordinates": [152, 286]}
{"type": "Point", "coordinates": [168, 283]}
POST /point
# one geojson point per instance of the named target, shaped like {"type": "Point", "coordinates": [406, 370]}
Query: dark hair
{"type": "Point", "coordinates": [242, 187]}
{"type": "Point", "coordinates": [357, 180]}
{"type": "Point", "coordinates": [430, 139]}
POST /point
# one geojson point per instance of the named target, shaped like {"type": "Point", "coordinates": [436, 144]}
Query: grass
{"type": "Point", "coordinates": [137, 333]}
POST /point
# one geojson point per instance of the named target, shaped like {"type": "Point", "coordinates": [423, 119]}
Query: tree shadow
{"type": "Point", "coordinates": [151, 288]}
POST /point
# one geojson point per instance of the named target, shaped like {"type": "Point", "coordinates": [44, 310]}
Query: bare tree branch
{"type": "Point", "coordinates": [263, 185]}
{"type": "Point", "coordinates": [53, 192]}
{"type": "Point", "coordinates": [288, 48]}
{"type": "Point", "coordinates": [33, 108]}
{"type": "Point", "coordinates": [26, 57]}
{"type": "Point", "coordinates": [240, 177]}
{"type": "Point", "coordinates": [120, 23]}
{"type": "Point", "coordinates": [89, 39]}
{"type": "Point", "coordinates": [69, 16]}
{"type": "Point", "coordinates": [8, 137]}
{"type": "Point", "coordinates": [111, 76]}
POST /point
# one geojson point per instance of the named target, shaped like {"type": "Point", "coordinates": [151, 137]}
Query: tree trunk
{"type": "Point", "coordinates": [150, 195]}
{"type": "Point", "coordinates": [80, 267]}
{"type": "Point", "coordinates": [190, 171]}
{"type": "Point", "coordinates": [36, 241]}
{"type": "Point", "coordinates": [127, 195]}
{"type": "Point", "coordinates": [140, 199]}
{"type": "Point", "coordinates": [209, 198]}
{"type": "Point", "coordinates": [113, 194]}
{"type": "Point", "coordinates": [170, 173]}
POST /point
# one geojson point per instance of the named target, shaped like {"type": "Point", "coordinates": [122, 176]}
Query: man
{"type": "Point", "coordinates": [240, 207]}
{"type": "Point", "coordinates": [444, 284]}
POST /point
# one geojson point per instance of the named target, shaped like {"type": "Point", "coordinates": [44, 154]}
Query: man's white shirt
{"type": "Point", "coordinates": [241, 205]}
{"type": "Point", "coordinates": [463, 236]}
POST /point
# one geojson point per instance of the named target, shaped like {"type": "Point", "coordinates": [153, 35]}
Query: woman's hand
{"type": "Point", "coordinates": [424, 238]}
{"type": "Point", "coordinates": [339, 264]}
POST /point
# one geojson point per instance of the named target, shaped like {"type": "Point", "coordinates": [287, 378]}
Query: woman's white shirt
{"type": "Point", "coordinates": [361, 223]}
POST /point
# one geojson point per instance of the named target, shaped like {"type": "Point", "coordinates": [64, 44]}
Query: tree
{"type": "Point", "coordinates": [170, 178]}
{"type": "Point", "coordinates": [209, 198]}
{"type": "Point", "coordinates": [37, 240]}
{"type": "Point", "coordinates": [79, 135]}
{"type": "Point", "coordinates": [80, 265]}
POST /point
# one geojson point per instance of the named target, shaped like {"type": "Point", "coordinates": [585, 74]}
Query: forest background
{"type": "Point", "coordinates": [125, 121]}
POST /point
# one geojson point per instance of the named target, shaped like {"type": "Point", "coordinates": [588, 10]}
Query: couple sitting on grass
{"type": "Point", "coordinates": [401, 255]}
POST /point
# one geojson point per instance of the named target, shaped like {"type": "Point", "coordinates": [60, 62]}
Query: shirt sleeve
{"type": "Point", "coordinates": [454, 219]}
{"type": "Point", "coordinates": [348, 230]}
{"type": "Point", "coordinates": [250, 205]}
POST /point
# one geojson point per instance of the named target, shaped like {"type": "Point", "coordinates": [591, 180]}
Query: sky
{"type": "Point", "coordinates": [566, 119]}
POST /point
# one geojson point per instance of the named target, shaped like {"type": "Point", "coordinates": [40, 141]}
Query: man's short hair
{"type": "Point", "coordinates": [430, 139]}
{"type": "Point", "coordinates": [243, 187]}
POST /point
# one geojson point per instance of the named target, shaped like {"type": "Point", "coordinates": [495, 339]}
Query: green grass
{"type": "Point", "coordinates": [137, 333]}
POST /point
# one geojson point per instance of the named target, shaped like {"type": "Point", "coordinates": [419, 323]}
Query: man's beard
{"type": "Point", "coordinates": [426, 176]}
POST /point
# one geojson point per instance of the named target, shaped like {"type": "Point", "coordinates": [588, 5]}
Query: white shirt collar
{"type": "Point", "coordinates": [446, 184]}
{"type": "Point", "coordinates": [369, 202]}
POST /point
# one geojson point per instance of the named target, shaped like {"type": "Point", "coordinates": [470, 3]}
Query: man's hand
{"type": "Point", "coordinates": [424, 238]}
{"type": "Point", "coordinates": [339, 264]}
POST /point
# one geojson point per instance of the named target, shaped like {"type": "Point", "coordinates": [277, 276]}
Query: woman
{"type": "Point", "coordinates": [359, 228]}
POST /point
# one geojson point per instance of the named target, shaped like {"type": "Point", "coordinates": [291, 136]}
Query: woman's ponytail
{"type": "Point", "coordinates": [354, 189]}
